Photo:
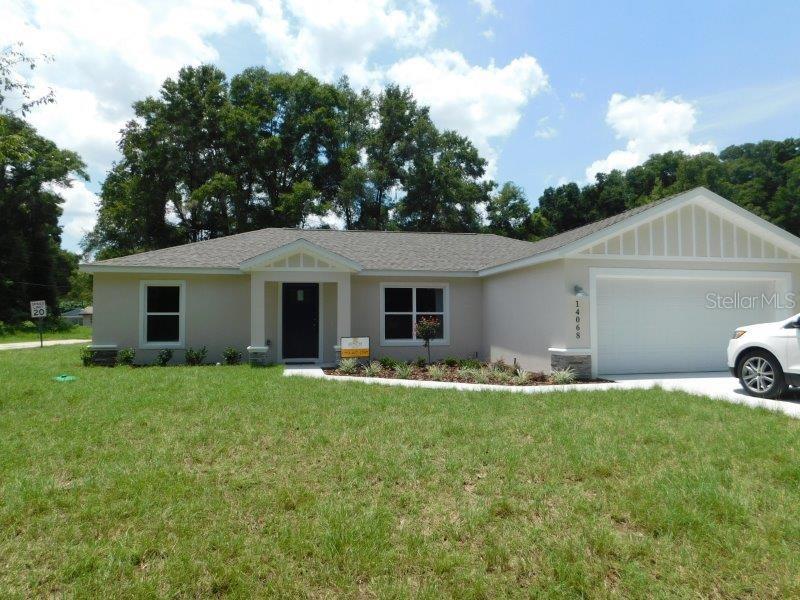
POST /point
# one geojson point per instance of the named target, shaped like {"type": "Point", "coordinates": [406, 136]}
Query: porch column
{"type": "Point", "coordinates": [342, 307]}
{"type": "Point", "coordinates": [257, 325]}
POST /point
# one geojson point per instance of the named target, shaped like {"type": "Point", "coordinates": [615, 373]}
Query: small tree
{"type": "Point", "coordinates": [426, 329]}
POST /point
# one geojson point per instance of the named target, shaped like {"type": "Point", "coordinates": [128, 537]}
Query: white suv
{"type": "Point", "coordinates": [766, 357]}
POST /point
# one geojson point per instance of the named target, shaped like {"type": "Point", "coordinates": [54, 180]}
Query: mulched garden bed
{"type": "Point", "coordinates": [457, 374]}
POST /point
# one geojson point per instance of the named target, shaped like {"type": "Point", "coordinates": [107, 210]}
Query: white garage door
{"type": "Point", "coordinates": [663, 325]}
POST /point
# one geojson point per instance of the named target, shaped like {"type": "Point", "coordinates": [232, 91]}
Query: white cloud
{"type": "Point", "coordinates": [329, 38]}
{"type": "Point", "coordinates": [109, 54]}
{"type": "Point", "coordinates": [487, 7]}
{"type": "Point", "coordinates": [488, 33]}
{"type": "Point", "coordinates": [544, 130]}
{"type": "Point", "coordinates": [105, 56]}
{"type": "Point", "coordinates": [80, 211]}
{"type": "Point", "coordinates": [483, 103]}
{"type": "Point", "coordinates": [80, 121]}
{"type": "Point", "coordinates": [650, 124]}
{"type": "Point", "coordinates": [577, 96]}
{"type": "Point", "coordinates": [330, 219]}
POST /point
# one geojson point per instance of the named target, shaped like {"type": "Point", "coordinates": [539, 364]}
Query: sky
{"type": "Point", "coordinates": [549, 92]}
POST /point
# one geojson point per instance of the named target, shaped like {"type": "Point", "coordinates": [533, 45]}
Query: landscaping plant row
{"type": "Point", "coordinates": [452, 369]}
{"type": "Point", "coordinates": [127, 356]}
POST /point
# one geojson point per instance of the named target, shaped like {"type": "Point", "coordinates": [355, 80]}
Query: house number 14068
{"type": "Point", "coordinates": [577, 320]}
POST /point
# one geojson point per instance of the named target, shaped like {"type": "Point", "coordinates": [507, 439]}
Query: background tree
{"type": "Point", "coordinates": [32, 168]}
{"type": "Point", "coordinates": [509, 213]}
{"type": "Point", "coordinates": [210, 157]}
{"type": "Point", "coordinates": [443, 184]}
{"type": "Point", "coordinates": [762, 178]}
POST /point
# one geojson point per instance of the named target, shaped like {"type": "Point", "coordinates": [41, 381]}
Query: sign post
{"type": "Point", "coordinates": [39, 312]}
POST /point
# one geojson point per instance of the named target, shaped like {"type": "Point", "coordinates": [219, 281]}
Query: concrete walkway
{"type": "Point", "coordinates": [720, 386]}
{"type": "Point", "coordinates": [23, 345]}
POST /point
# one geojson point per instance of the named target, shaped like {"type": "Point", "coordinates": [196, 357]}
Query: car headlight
{"type": "Point", "coordinates": [738, 333]}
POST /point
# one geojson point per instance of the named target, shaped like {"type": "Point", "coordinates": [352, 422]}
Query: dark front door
{"type": "Point", "coordinates": [300, 320]}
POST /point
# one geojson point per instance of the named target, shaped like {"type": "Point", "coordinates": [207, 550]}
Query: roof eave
{"type": "Point", "coordinates": [152, 270]}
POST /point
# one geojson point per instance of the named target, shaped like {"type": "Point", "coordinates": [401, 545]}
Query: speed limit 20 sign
{"type": "Point", "coordinates": [38, 309]}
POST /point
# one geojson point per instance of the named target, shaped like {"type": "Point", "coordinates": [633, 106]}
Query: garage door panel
{"type": "Point", "coordinates": [660, 325]}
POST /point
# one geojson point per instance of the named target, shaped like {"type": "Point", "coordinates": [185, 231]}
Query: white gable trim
{"type": "Point", "coordinates": [336, 261]}
{"type": "Point", "coordinates": [711, 202]}
{"type": "Point", "coordinates": [702, 196]}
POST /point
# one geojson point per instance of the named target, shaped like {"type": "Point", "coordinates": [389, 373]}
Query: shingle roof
{"type": "Point", "coordinates": [573, 235]}
{"type": "Point", "coordinates": [374, 250]}
{"type": "Point", "coordinates": [383, 250]}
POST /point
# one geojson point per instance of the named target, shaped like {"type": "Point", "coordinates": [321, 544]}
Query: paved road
{"type": "Point", "coordinates": [22, 345]}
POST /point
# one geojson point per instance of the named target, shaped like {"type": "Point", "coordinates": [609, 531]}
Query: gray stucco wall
{"type": "Point", "coordinates": [525, 313]}
{"type": "Point", "coordinates": [465, 304]}
{"type": "Point", "coordinates": [217, 312]}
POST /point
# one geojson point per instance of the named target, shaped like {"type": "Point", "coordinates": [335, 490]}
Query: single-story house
{"type": "Point", "coordinates": [658, 288]}
{"type": "Point", "coordinates": [79, 316]}
{"type": "Point", "coordinates": [73, 316]}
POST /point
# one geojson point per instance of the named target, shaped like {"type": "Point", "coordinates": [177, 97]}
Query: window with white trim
{"type": "Point", "coordinates": [162, 313]}
{"type": "Point", "coordinates": [404, 306]}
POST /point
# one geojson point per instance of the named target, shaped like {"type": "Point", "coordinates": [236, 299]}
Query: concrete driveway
{"type": "Point", "coordinates": [715, 385]}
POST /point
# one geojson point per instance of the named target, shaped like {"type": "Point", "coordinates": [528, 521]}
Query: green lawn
{"type": "Point", "coordinates": [240, 482]}
{"type": "Point", "coordinates": [30, 333]}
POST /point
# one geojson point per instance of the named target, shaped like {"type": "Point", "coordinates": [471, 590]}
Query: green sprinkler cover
{"type": "Point", "coordinates": [64, 377]}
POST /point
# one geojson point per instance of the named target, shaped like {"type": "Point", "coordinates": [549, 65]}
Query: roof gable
{"type": "Point", "coordinates": [733, 223]}
{"type": "Point", "coordinates": [300, 255]}
{"type": "Point", "coordinates": [695, 225]}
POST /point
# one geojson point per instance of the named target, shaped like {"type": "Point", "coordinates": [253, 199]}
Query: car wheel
{"type": "Point", "coordinates": [761, 375]}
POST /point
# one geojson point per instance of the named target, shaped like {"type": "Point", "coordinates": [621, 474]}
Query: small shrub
{"type": "Point", "coordinates": [500, 366]}
{"type": "Point", "coordinates": [562, 376]}
{"type": "Point", "coordinates": [4, 329]}
{"type": "Point", "coordinates": [387, 362]}
{"type": "Point", "coordinates": [126, 356]}
{"type": "Point", "coordinates": [470, 363]}
{"type": "Point", "coordinates": [482, 375]}
{"type": "Point", "coordinates": [466, 373]}
{"type": "Point", "coordinates": [402, 370]}
{"type": "Point", "coordinates": [231, 356]}
{"type": "Point", "coordinates": [196, 357]}
{"type": "Point", "coordinates": [436, 372]}
{"type": "Point", "coordinates": [420, 362]}
{"type": "Point", "coordinates": [348, 366]}
{"type": "Point", "coordinates": [59, 324]}
{"type": "Point", "coordinates": [163, 357]}
{"type": "Point", "coordinates": [503, 377]}
{"type": "Point", "coordinates": [451, 361]}
{"type": "Point", "coordinates": [373, 369]}
{"type": "Point", "coordinates": [521, 377]}
{"type": "Point", "coordinates": [87, 356]}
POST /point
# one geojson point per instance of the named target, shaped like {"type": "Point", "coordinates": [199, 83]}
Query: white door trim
{"type": "Point", "coordinates": [783, 280]}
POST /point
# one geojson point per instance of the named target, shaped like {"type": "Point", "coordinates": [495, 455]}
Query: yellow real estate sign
{"type": "Point", "coordinates": [355, 347]}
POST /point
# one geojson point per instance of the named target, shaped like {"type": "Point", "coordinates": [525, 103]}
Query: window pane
{"type": "Point", "coordinates": [163, 298]}
{"type": "Point", "coordinates": [162, 328]}
{"type": "Point", "coordinates": [430, 299]}
{"type": "Point", "coordinates": [397, 299]}
{"type": "Point", "coordinates": [398, 327]}
{"type": "Point", "coordinates": [439, 329]}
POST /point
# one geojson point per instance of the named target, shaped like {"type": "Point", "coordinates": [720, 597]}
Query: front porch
{"type": "Point", "coordinates": [299, 305]}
